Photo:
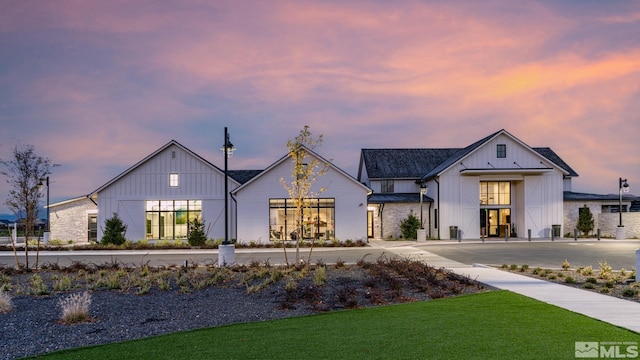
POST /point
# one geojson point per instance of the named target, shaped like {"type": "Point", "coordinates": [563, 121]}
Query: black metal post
{"type": "Point", "coordinates": [226, 189]}
{"type": "Point", "coordinates": [48, 211]}
{"type": "Point", "coordinates": [620, 203]}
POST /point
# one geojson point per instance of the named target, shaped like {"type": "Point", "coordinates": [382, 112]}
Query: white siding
{"type": "Point", "coordinates": [253, 203]}
{"type": "Point", "coordinates": [150, 181]}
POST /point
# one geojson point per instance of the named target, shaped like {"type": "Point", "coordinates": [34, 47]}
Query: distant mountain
{"type": "Point", "coordinates": [9, 217]}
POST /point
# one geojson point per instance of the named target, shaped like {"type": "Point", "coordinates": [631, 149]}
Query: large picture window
{"type": "Point", "coordinates": [317, 219]}
{"type": "Point", "coordinates": [495, 193]}
{"type": "Point", "coordinates": [169, 219]}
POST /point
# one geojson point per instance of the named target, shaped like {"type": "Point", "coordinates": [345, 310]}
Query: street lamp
{"type": "Point", "coordinates": [45, 181]}
{"type": "Point", "coordinates": [623, 186]}
{"type": "Point", "coordinates": [423, 191]}
{"type": "Point", "coordinates": [228, 152]}
{"type": "Point", "coordinates": [226, 251]}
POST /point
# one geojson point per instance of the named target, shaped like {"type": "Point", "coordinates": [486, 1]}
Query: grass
{"type": "Point", "coordinates": [497, 324]}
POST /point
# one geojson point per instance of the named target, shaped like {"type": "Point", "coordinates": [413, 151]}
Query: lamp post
{"type": "Point", "coordinates": [45, 182]}
{"type": "Point", "coordinates": [623, 186]}
{"type": "Point", "coordinates": [226, 250]}
{"type": "Point", "coordinates": [422, 233]}
{"type": "Point", "coordinates": [423, 192]}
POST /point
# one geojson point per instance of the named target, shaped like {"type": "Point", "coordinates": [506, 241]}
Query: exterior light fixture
{"type": "Point", "coordinates": [226, 251]}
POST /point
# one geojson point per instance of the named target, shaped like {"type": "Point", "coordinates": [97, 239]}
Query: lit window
{"type": "Point", "coordinates": [173, 180]}
{"type": "Point", "coordinates": [502, 151]}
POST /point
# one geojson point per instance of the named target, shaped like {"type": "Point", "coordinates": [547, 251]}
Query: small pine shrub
{"type": "Point", "coordinates": [114, 230]}
{"type": "Point", "coordinates": [629, 292]}
{"type": "Point", "coordinates": [196, 236]}
{"type": "Point", "coordinates": [537, 271]}
{"type": "Point", "coordinates": [552, 276]}
{"type": "Point", "coordinates": [75, 308]}
{"type": "Point", "coordinates": [566, 265]}
{"type": "Point", "coordinates": [588, 286]}
{"type": "Point", "coordinates": [605, 290]}
{"type": "Point", "coordinates": [570, 280]}
{"type": "Point", "coordinates": [524, 268]}
{"type": "Point", "coordinates": [513, 267]}
{"type": "Point", "coordinates": [409, 226]}
{"type": "Point", "coordinates": [591, 280]}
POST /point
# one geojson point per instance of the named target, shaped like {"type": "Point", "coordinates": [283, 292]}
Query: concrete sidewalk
{"type": "Point", "coordinates": [619, 312]}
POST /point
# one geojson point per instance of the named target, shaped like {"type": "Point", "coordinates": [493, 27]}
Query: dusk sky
{"type": "Point", "coordinates": [98, 85]}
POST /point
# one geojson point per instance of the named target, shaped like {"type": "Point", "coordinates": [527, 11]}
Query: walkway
{"type": "Point", "coordinates": [619, 312]}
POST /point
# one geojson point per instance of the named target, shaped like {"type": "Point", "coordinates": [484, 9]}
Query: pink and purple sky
{"type": "Point", "coordinates": [98, 85]}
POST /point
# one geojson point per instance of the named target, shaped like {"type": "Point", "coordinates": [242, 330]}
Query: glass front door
{"type": "Point", "coordinates": [495, 222]}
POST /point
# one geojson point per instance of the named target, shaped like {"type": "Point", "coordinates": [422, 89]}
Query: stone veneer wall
{"type": "Point", "coordinates": [392, 215]}
{"type": "Point", "coordinates": [606, 222]}
{"type": "Point", "coordinates": [70, 221]}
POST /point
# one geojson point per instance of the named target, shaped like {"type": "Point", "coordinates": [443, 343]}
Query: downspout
{"type": "Point", "coordinates": [430, 219]}
{"type": "Point", "coordinates": [439, 214]}
{"type": "Point", "coordinates": [235, 216]}
{"type": "Point", "coordinates": [380, 210]}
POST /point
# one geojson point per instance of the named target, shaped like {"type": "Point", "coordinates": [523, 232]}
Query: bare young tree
{"type": "Point", "coordinates": [305, 172]}
{"type": "Point", "coordinates": [24, 173]}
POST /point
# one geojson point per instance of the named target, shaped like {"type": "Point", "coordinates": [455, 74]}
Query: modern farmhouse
{"type": "Point", "coordinates": [495, 187]}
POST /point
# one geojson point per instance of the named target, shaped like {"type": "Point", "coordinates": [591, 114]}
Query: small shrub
{"type": "Point", "coordinates": [609, 284]}
{"type": "Point", "coordinates": [320, 276]}
{"type": "Point", "coordinates": [552, 276]}
{"type": "Point", "coordinates": [339, 263]}
{"type": "Point", "coordinates": [513, 267]}
{"type": "Point", "coordinates": [570, 280]}
{"type": "Point", "coordinates": [6, 302]}
{"type": "Point", "coordinates": [62, 284]}
{"type": "Point", "coordinates": [504, 266]}
{"type": "Point", "coordinates": [524, 268]}
{"type": "Point", "coordinates": [196, 236]}
{"type": "Point", "coordinates": [629, 292]}
{"type": "Point", "coordinates": [409, 226]}
{"type": "Point", "coordinates": [75, 308]}
{"type": "Point", "coordinates": [566, 265]}
{"type": "Point", "coordinates": [588, 286]}
{"type": "Point", "coordinates": [586, 271]}
{"type": "Point", "coordinates": [38, 286]}
{"type": "Point", "coordinates": [605, 270]}
{"type": "Point", "coordinates": [537, 271]}
{"type": "Point", "coordinates": [114, 231]}
{"type": "Point", "coordinates": [591, 280]}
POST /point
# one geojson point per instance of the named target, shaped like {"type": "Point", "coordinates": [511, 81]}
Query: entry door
{"type": "Point", "coordinates": [92, 228]}
{"type": "Point", "coordinates": [370, 224]}
{"type": "Point", "coordinates": [495, 222]}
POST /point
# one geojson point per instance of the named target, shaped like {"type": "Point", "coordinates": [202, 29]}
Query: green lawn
{"type": "Point", "coordinates": [489, 325]}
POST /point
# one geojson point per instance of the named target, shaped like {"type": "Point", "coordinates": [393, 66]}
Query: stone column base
{"type": "Point", "coordinates": [620, 233]}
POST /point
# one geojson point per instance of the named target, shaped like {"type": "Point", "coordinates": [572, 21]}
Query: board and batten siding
{"type": "Point", "coordinates": [198, 180]}
{"type": "Point", "coordinates": [253, 203]}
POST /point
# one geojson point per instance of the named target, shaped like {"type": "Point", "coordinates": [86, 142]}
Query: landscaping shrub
{"type": "Point", "coordinates": [196, 235]}
{"type": "Point", "coordinates": [6, 302]}
{"type": "Point", "coordinates": [114, 230]}
{"type": "Point", "coordinates": [409, 226]}
{"type": "Point", "coordinates": [75, 308]}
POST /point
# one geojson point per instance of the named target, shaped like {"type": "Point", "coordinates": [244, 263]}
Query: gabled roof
{"type": "Point", "coordinates": [150, 156]}
{"type": "Point", "coordinates": [427, 163]}
{"type": "Point", "coordinates": [286, 157]}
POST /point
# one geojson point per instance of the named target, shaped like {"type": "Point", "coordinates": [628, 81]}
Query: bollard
{"type": "Point", "coordinates": [506, 236]}
{"type": "Point", "coordinates": [599, 236]}
{"type": "Point", "coordinates": [529, 234]}
{"type": "Point", "coordinates": [575, 234]}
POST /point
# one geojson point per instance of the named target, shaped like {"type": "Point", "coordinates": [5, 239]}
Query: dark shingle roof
{"type": "Point", "coordinates": [427, 163]}
{"type": "Point", "coordinates": [551, 155]}
{"type": "Point", "coordinates": [383, 198]}
{"type": "Point", "coordinates": [403, 163]}
{"type": "Point", "coordinates": [242, 176]}
{"type": "Point", "coordinates": [576, 196]}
